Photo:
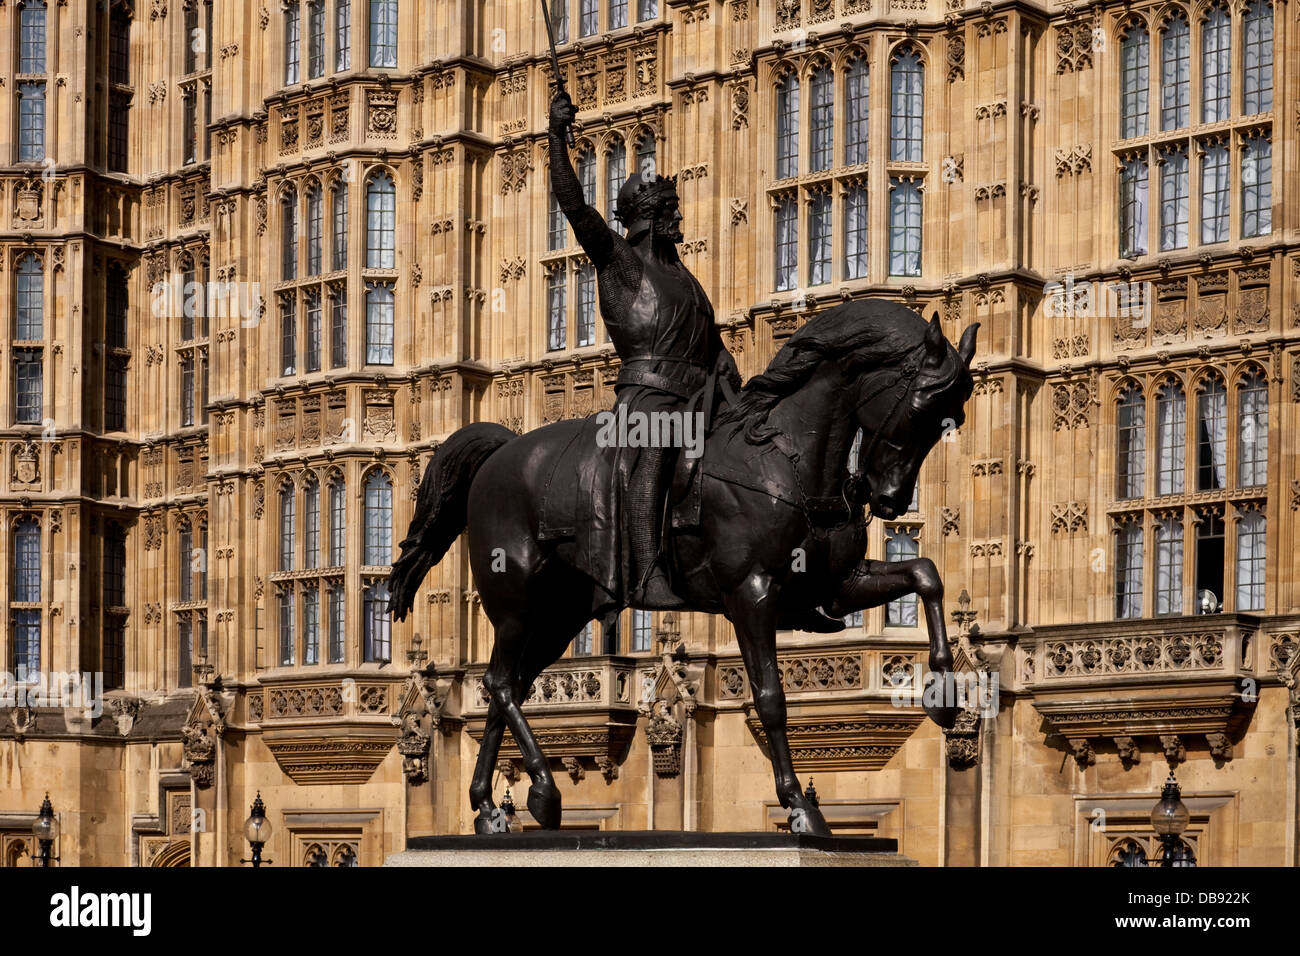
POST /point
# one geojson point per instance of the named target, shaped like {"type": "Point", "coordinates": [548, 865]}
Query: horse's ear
{"type": "Point", "coordinates": [966, 349]}
{"type": "Point", "coordinates": [934, 340]}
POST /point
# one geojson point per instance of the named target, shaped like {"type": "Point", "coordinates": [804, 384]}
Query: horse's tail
{"type": "Point", "coordinates": [440, 508]}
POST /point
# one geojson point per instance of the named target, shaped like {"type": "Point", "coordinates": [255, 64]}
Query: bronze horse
{"type": "Point", "coordinates": [775, 482]}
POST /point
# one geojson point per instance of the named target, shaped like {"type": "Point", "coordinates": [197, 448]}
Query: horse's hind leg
{"type": "Point", "coordinates": [489, 819]}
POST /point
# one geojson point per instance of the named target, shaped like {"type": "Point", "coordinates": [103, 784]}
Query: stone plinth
{"type": "Point", "coordinates": [648, 848]}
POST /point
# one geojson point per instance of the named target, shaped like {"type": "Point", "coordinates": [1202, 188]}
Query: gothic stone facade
{"type": "Point", "coordinates": [201, 493]}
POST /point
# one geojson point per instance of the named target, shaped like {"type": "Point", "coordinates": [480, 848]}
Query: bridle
{"type": "Point", "coordinates": [909, 370]}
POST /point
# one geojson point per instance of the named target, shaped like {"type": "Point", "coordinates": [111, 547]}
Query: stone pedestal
{"type": "Point", "coordinates": [648, 848]}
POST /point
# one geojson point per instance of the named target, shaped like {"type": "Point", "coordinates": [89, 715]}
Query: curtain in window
{"type": "Point", "coordinates": [1173, 200]}
{"type": "Point", "coordinates": [1251, 542]}
{"type": "Point", "coordinates": [819, 240]}
{"type": "Point", "coordinates": [1212, 427]}
{"type": "Point", "coordinates": [787, 128]}
{"type": "Point", "coordinates": [906, 102]}
{"type": "Point", "coordinates": [1171, 439]}
{"type": "Point", "coordinates": [1134, 83]}
{"type": "Point", "coordinates": [821, 123]}
{"type": "Point", "coordinates": [1175, 74]}
{"type": "Point", "coordinates": [378, 520]}
{"type": "Point", "coordinates": [1252, 445]}
{"type": "Point", "coordinates": [1258, 57]}
{"type": "Point", "coordinates": [856, 113]}
{"type": "Point", "coordinates": [1133, 208]}
{"type": "Point", "coordinates": [1128, 572]}
{"type": "Point", "coordinates": [381, 222]}
{"type": "Point", "coordinates": [904, 228]}
{"type": "Point", "coordinates": [1216, 66]}
{"type": "Point", "coordinates": [787, 243]}
{"type": "Point", "coordinates": [1169, 566]}
{"type": "Point", "coordinates": [379, 324]}
{"type": "Point", "coordinates": [901, 545]}
{"type": "Point", "coordinates": [855, 232]}
{"type": "Point", "coordinates": [1214, 194]}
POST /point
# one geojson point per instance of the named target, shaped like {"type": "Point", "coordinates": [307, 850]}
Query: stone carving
{"type": "Point", "coordinates": [1084, 755]}
{"type": "Point", "coordinates": [381, 119]}
{"type": "Point", "coordinates": [1128, 751]}
{"type": "Point", "coordinates": [949, 521]}
{"type": "Point", "coordinates": [1071, 406]}
{"type": "Point", "coordinates": [1070, 517]}
{"type": "Point", "coordinates": [1133, 655]}
{"type": "Point", "coordinates": [963, 740]}
{"type": "Point", "coordinates": [514, 170]}
{"type": "Point", "coordinates": [1074, 46]}
{"type": "Point", "coordinates": [1074, 161]}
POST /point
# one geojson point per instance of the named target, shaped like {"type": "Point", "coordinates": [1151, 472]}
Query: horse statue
{"type": "Point", "coordinates": [773, 481]}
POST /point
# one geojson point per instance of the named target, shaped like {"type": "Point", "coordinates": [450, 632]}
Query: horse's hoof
{"type": "Point", "coordinates": [495, 822]}
{"type": "Point", "coordinates": [544, 805]}
{"type": "Point", "coordinates": [808, 820]}
{"type": "Point", "coordinates": [939, 699]}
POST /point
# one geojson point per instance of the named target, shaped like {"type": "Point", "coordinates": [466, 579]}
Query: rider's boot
{"type": "Point", "coordinates": [657, 592]}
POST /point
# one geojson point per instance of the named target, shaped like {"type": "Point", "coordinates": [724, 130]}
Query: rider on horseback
{"type": "Point", "coordinates": [661, 324]}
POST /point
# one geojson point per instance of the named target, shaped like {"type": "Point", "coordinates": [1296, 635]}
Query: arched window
{"type": "Point", "coordinates": [1130, 445]}
{"type": "Point", "coordinates": [119, 49]}
{"type": "Point", "coordinates": [289, 233]}
{"type": "Point", "coordinates": [311, 524]}
{"type": "Point", "coordinates": [339, 217]}
{"type": "Point", "coordinates": [647, 164]}
{"type": "Point", "coordinates": [615, 176]}
{"type": "Point", "coordinates": [116, 308]}
{"type": "Point", "coordinates": [292, 43]}
{"type": "Point", "coordinates": [904, 228]}
{"type": "Point", "coordinates": [819, 238]}
{"type": "Point", "coordinates": [1171, 439]}
{"type": "Point", "coordinates": [1212, 435]}
{"type": "Point", "coordinates": [383, 33]}
{"type": "Point", "coordinates": [557, 336]}
{"type": "Point", "coordinates": [587, 176]}
{"type": "Point", "coordinates": [378, 521]}
{"type": "Point", "coordinates": [1135, 82]}
{"type": "Point", "coordinates": [1216, 66]}
{"type": "Point", "coordinates": [1252, 419]}
{"type": "Point", "coordinates": [31, 37]}
{"type": "Point", "coordinates": [821, 124]}
{"type": "Point", "coordinates": [30, 304]}
{"type": "Point", "coordinates": [856, 106]}
{"type": "Point", "coordinates": [787, 127]}
{"type": "Point", "coordinates": [1128, 571]}
{"type": "Point", "coordinates": [906, 106]}
{"type": "Point", "coordinates": [1175, 73]}
{"type": "Point", "coordinates": [901, 545]}
{"type": "Point", "coordinates": [26, 589]}
{"type": "Point", "coordinates": [381, 225]}
{"type": "Point", "coordinates": [199, 562]}
{"type": "Point", "coordinates": [1257, 57]}
{"type": "Point", "coordinates": [1256, 186]}
{"type": "Point", "coordinates": [379, 323]}
{"type": "Point", "coordinates": [338, 521]}
{"type": "Point", "coordinates": [1251, 551]}
{"type": "Point", "coordinates": [342, 35]}
{"type": "Point", "coordinates": [1169, 565]}
{"type": "Point", "coordinates": [287, 519]}
{"type": "Point", "coordinates": [315, 39]}
{"type": "Point", "coordinates": [315, 228]}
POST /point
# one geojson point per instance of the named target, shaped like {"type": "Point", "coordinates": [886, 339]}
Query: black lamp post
{"type": "Point", "coordinates": [1169, 818]}
{"type": "Point", "coordinates": [45, 831]}
{"type": "Point", "coordinates": [257, 830]}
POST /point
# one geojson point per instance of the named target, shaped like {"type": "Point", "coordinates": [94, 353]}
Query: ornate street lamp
{"type": "Point", "coordinates": [257, 830]}
{"type": "Point", "coordinates": [1169, 818]}
{"type": "Point", "coordinates": [513, 823]}
{"type": "Point", "coordinates": [45, 830]}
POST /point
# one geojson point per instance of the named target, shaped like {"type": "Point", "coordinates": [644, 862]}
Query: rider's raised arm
{"type": "Point", "coordinates": [595, 236]}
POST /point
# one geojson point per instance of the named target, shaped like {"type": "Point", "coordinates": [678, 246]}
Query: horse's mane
{"type": "Point", "coordinates": [858, 335]}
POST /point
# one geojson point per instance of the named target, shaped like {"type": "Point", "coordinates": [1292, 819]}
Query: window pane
{"type": "Point", "coordinates": [647, 9]}
{"type": "Point", "coordinates": [1171, 440]}
{"type": "Point", "coordinates": [787, 244]}
{"type": "Point", "coordinates": [312, 297]}
{"type": "Point", "coordinates": [1256, 187]}
{"type": "Point", "coordinates": [856, 114]}
{"type": "Point", "coordinates": [27, 561]}
{"type": "Point", "coordinates": [1258, 58]}
{"type": "Point", "coordinates": [820, 121]}
{"type": "Point", "coordinates": [315, 39]}
{"type": "Point", "coordinates": [1251, 542]}
{"type": "Point", "coordinates": [615, 176]}
{"type": "Point", "coordinates": [288, 334]}
{"type": "Point", "coordinates": [1212, 436]}
{"type": "Point", "coordinates": [383, 33]}
{"type": "Point", "coordinates": [338, 328]}
{"type": "Point", "coordinates": [340, 218]}
{"type": "Point", "coordinates": [342, 34]}
{"type": "Point", "coordinates": [1130, 455]}
{"type": "Point", "coordinates": [336, 624]}
{"type": "Point", "coordinates": [904, 228]}
{"type": "Point", "coordinates": [379, 324]}
{"type": "Point", "coordinates": [1173, 200]}
{"type": "Point", "coordinates": [617, 14]}
{"type": "Point", "coordinates": [31, 122]}
{"type": "Point", "coordinates": [1128, 572]}
{"type": "Point", "coordinates": [588, 17]}
{"type": "Point", "coordinates": [286, 628]}
{"type": "Point", "coordinates": [1175, 74]}
{"type": "Point", "coordinates": [30, 304]}
{"type": "Point", "coordinates": [311, 529]}
{"type": "Point", "coordinates": [901, 545]}
{"type": "Point", "coordinates": [289, 234]}
{"type": "Point", "coordinates": [560, 19]}
{"type": "Point", "coordinates": [287, 519]}
{"type": "Point", "coordinates": [185, 564]}
{"type": "Point", "coordinates": [31, 37]}
{"type": "Point", "coordinates": [378, 625]}
{"type": "Point", "coordinates": [556, 332]}
{"type": "Point", "coordinates": [1214, 194]}
{"type": "Point", "coordinates": [1133, 208]}
{"type": "Point", "coordinates": [1252, 417]}
{"type": "Point", "coordinates": [819, 239]}
{"type": "Point", "coordinates": [291, 44]}
{"type": "Point", "coordinates": [787, 128]}
{"type": "Point", "coordinates": [1134, 83]}
{"type": "Point", "coordinates": [381, 224]}
{"type": "Point", "coordinates": [855, 233]}
{"type": "Point", "coordinates": [905, 107]}
{"type": "Point", "coordinates": [1216, 66]}
{"type": "Point", "coordinates": [378, 531]}
{"type": "Point", "coordinates": [586, 304]}
{"type": "Point", "coordinates": [1169, 566]}
{"type": "Point", "coordinates": [311, 626]}
{"type": "Point", "coordinates": [338, 523]}
{"type": "Point", "coordinates": [641, 629]}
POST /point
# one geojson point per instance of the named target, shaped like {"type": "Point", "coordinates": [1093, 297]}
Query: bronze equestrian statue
{"type": "Point", "coordinates": [774, 482]}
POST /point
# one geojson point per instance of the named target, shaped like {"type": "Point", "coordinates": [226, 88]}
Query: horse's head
{"type": "Point", "coordinates": [904, 407]}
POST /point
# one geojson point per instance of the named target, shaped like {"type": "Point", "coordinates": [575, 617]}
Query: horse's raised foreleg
{"type": "Point", "coordinates": [873, 583]}
{"type": "Point", "coordinates": [752, 608]}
